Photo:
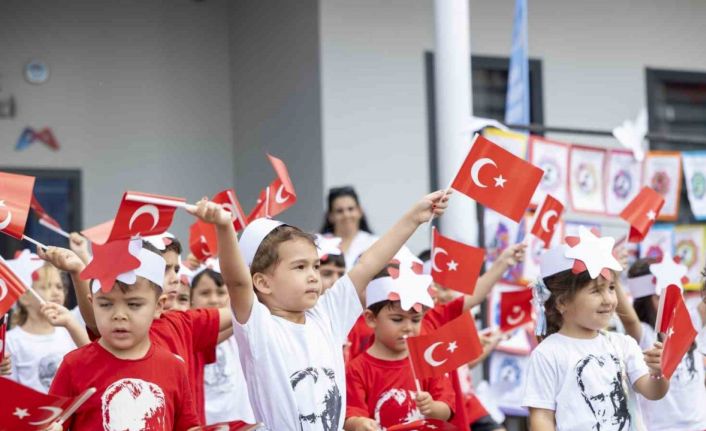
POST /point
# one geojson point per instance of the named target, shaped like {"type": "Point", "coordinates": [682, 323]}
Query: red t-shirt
{"type": "Point", "coordinates": [383, 390]}
{"type": "Point", "coordinates": [360, 338]}
{"type": "Point", "coordinates": [150, 394]}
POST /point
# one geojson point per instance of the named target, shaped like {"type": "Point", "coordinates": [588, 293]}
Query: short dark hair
{"type": "Point", "coordinates": [208, 272]}
{"type": "Point", "coordinates": [335, 193]}
{"type": "Point", "coordinates": [174, 245]}
{"type": "Point", "coordinates": [267, 254]}
{"type": "Point", "coordinates": [334, 259]}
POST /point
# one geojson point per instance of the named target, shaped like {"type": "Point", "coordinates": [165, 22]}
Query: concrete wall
{"type": "Point", "coordinates": [138, 95]}
{"type": "Point", "coordinates": [594, 56]}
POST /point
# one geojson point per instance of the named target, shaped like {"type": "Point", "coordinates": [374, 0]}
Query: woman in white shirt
{"type": "Point", "coordinates": [345, 219]}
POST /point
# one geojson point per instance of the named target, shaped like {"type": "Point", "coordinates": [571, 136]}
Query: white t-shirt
{"type": "Point", "coordinates": [361, 242]}
{"type": "Point", "coordinates": [35, 358]}
{"type": "Point", "coordinates": [295, 372]}
{"type": "Point", "coordinates": [684, 406]}
{"type": "Point", "coordinates": [225, 391]}
{"type": "Point", "coordinates": [581, 380]}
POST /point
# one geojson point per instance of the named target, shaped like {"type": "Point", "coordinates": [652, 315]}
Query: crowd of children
{"type": "Point", "coordinates": [304, 332]}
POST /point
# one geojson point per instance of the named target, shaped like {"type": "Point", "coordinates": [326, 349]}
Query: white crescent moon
{"type": "Point", "coordinates": [203, 242]}
{"type": "Point", "coordinates": [476, 167]}
{"type": "Point", "coordinates": [429, 352]}
{"type": "Point", "coordinates": [515, 320]}
{"type": "Point", "coordinates": [437, 250]}
{"type": "Point", "coordinates": [278, 196]}
{"type": "Point", "coordinates": [55, 412]}
{"type": "Point", "coordinates": [3, 289]}
{"type": "Point", "coordinates": [145, 209]}
{"type": "Point", "coordinates": [546, 217]}
{"type": "Point", "coordinates": [6, 222]}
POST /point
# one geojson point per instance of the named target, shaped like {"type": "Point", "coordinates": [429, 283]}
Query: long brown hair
{"type": "Point", "coordinates": [20, 317]}
{"type": "Point", "coordinates": [563, 286]}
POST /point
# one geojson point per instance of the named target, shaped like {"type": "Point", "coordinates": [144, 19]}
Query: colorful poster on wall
{"type": "Point", "coordinates": [662, 172]}
{"type": "Point", "coordinates": [553, 158]}
{"type": "Point", "coordinates": [516, 143]}
{"type": "Point", "coordinates": [695, 180]}
{"type": "Point", "coordinates": [658, 240]}
{"type": "Point", "coordinates": [571, 227]}
{"type": "Point", "coordinates": [689, 243]}
{"type": "Point", "coordinates": [586, 179]}
{"type": "Point", "coordinates": [623, 181]}
{"type": "Point", "coordinates": [535, 247]}
{"type": "Point", "coordinates": [499, 233]}
{"type": "Point", "coordinates": [507, 381]}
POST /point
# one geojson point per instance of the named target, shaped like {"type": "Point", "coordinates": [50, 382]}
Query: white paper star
{"type": "Point", "coordinates": [596, 253]}
{"type": "Point", "coordinates": [158, 241]}
{"type": "Point", "coordinates": [452, 265]}
{"type": "Point", "coordinates": [20, 413]}
{"type": "Point", "coordinates": [328, 245]}
{"type": "Point", "coordinates": [651, 215]}
{"type": "Point", "coordinates": [412, 288]}
{"type": "Point", "coordinates": [452, 346]}
{"type": "Point", "coordinates": [631, 134]}
{"type": "Point", "coordinates": [24, 266]}
{"type": "Point", "coordinates": [500, 181]}
{"type": "Point", "coordinates": [667, 272]}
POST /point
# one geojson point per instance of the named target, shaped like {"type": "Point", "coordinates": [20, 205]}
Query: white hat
{"type": "Point", "coordinates": [328, 245]}
{"type": "Point", "coordinates": [161, 241]}
{"type": "Point", "coordinates": [642, 286]}
{"type": "Point", "coordinates": [253, 235]}
{"type": "Point", "coordinates": [590, 251]}
{"type": "Point", "coordinates": [211, 263]}
{"type": "Point", "coordinates": [411, 289]}
{"type": "Point", "coordinates": [554, 261]}
{"type": "Point", "coordinates": [152, 267]}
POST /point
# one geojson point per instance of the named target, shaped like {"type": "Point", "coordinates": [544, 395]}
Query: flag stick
{"type": "Point", "coordinates": [75, 405]}
{"type": "Point", "coordinates": [159, 201]}
{"type": "Point", "coordinates": [3, 330]}
{"type": "Point", "coordinates": [29, 288]}
{"type": "Point", "coordinates": [411, 364]}
{"type": "Point", "coordinates": [267, 202]}
{"type": "Point", "coordinates": [34, 241]}
{"type": "Point", "coordinates": [446, 192]}
{"type": "Point", "coordinates": [53, 228]}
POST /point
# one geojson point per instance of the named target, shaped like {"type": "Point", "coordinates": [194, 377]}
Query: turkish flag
{"type": "Point", "coordinates": [3, 336]}
{"type": "Point", "coordinates": [454, 264]}
{"type": "Point", "coordinates": [15, 200]}
{"type": "Point", "coordinates": [452, 345]}
{"type": "Point", "coordinates": [680, 335]}
{"type": "Point", "coordinates": [642, 212]}
{"type": "Point", "coordinates": [11, 287]}
{"type": "Point", "coordinates": [547, 217]}
{"type": "Point", "coordinates": [136, 218]}
{"type": "Point", "coordinates": [199, 234]}
{"type": "Point", "coordinates": [42, 214]}
{"type": "Point", "coordinates": [424, 425]}
{"type": "Point", "coordinates": [27, 409]}
{"type": "Point", "coordinates": [276, 197]}
{"type": "Point", "coordinates": [229, 201]}
{"type": "Point", "coordinates": [230, 426]}
{"type": "Point", "coordinates": [515, 309]}
{"type": "Point", "coordinates": [668, 301]}
{"type": "Point", "coordinates": [109, 261]}
{"type": "Point", "coordinates": [497, 179]}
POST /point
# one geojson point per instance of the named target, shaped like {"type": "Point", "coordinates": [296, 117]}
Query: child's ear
{"type": "Point", "coordinates": [261, 283]}
{"type": "Point", "coordinates": [370, 318]}
{"type": "Point", "coordinates": [159, 309]}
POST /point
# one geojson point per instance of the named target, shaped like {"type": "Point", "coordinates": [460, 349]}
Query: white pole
{"type": "Point", "coordinates": [452, 70]}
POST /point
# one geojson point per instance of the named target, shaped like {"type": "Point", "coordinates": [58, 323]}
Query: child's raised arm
{"type": "Point", "coordinates": [236, 274]}
{"type": "Point", "coordinates": [379, 254]}
{"type": "Point", "coordinates": [58, 315]}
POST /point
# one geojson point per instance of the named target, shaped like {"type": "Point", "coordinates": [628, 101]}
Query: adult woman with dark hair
{"type": "Point", "coordinates": [345, 219]}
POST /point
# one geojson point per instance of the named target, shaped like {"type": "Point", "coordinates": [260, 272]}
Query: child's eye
{"type": "Point", "coordinates": [134, 305]}
{"type": "Point", "coordinates": [104, 305]}
{"type": "Point", "coordinates": [612, 287]}
{"type": "Point", "coordinates": [396, 319]}
{"type": "Point", "coordinates": [300, 266]}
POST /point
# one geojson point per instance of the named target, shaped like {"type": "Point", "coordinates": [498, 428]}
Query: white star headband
{"type": "Point", "coordinates": [24, 265]}
{"type": "Point", "coordinates": [587, 252]}
{"type": "Point", "coordinates": [152, 267]}
{"type": "Point", "coordinates": [185, 275]}
{"type": "Point", "coordinates": [161, 241]}
{"type": "Point", "coordinates": [328, 245]}
{"type": "Point", "coordinates": [253, 235]}
{"type": "Point", "coordinates": [410, 288]}
{"type": "Point", "coordinates": [211, 263]}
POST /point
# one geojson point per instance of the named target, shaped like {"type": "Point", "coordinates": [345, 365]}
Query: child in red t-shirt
{"type": "Point", "coordinates": [139, 384]}
{"type": "Point", "coordinates": [381, 388]}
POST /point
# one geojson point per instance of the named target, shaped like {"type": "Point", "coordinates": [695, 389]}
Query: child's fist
{"type": "Point", "coordinates": [63, 259]}
{"type": "Point", "coordinates": [6, 365]}
{"type": "Point", "coordinates": [58, 315]}
{"type": "Point", "coordinates": [514, 254]}
{"type": "Point", "coordinates": [79, 245]}
{"type": "Point", "coordinates": [653, 359]}
{"type": "Point", "coordinates": [433, 203]}
{"type": "Point", "coordinates": [211, 212]}
{"type": "Point", "coordinates": [424, 402]}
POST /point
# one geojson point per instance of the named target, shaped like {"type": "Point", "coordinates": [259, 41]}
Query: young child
{"type": "Point", "coordinates": [183, 297]}
{"type": "Point", "coordinates": [581, 377]}
{"type": "Point", "coordinates": [225, 391]}
{"type": "Point", "coordinates": [290, 336]}
{"type": "Point", "coordinates": [139, 384]}
{"type": "Point", "coordinates": [46, 332]}
{"type": "Point", "coordinates": [333, 263]}
{"type": "Point", "coordinates": [380, 383]}
{"type": "Point", "coordinates": [676, 410]}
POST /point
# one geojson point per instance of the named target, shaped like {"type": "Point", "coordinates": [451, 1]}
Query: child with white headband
{"type": "Point", "coordinates": [579, 376]}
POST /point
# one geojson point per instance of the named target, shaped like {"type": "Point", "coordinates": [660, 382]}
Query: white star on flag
{"type": "Point", "coordinates": [452, 346]}
{"type": "Point", "coordinates": [667, 272]}
{"type": "Point", "coordinates": [500, 181]}
{"type": "Point", "coordinates": [452, 265]}
{"type": "Point", "coordinates": [20, 413]}
{"type": "Point", "coordinates": [596, 253]}
{"type": "Point", "coordinates": [651, 215]}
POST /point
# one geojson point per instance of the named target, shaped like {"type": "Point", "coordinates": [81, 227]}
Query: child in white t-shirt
{"type": "Point", "coordinates": [226, 394]}
{"type": "Point", "coordinates": [289, 335]}
{"type": "Point", "coordinates": [581, 377]}
{"type": "Point", "coordinates": [682, 407]}
{"type": "Point", "coordinates": [45, 333]}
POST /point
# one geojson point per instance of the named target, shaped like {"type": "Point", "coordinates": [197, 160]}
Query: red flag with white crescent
{"type": "Point", "coordinates": [11, 287]}
{"type": "Point", "coordinates": [15, 201]}
{"type": "Point", "coordinates": [455, 265]}
{"type": "Point", "coordinates": [199, 244]}
{"type": "Point", "coordinates": [547, 217]}
{"type": "Point", "coordinates": [229, 201]}
{"type": "Point", "coordinates": [515, 309]}
{"type": "Point", "coordinates": [278, 196]}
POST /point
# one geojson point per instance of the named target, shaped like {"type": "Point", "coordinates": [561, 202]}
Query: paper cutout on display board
{"type": "Point", "coordinates": [535, 247]}
{"type": "Point", "coordinates": [518, 343]}
{"type": "Point", "coordinates": [662, 172]}
{"type": "Point", "coordinates": [623, 181]}
{"type": "Point", "coordinates": [501, 232]}
{"type": "Point", "coordinates": [507, 381]}
{"type": "Point", "coordinates": [658, 240]}
{"type": "Point", "coordinates": [586, 168]}
{"type": "Point", "coordinates": [553, 158]}
{"type": "Point", "coordinates": [514, 142]}
{"type": "Point", "coordinates": [689, 242]}
{"type": "Point", "coordinates": [695, 180]}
